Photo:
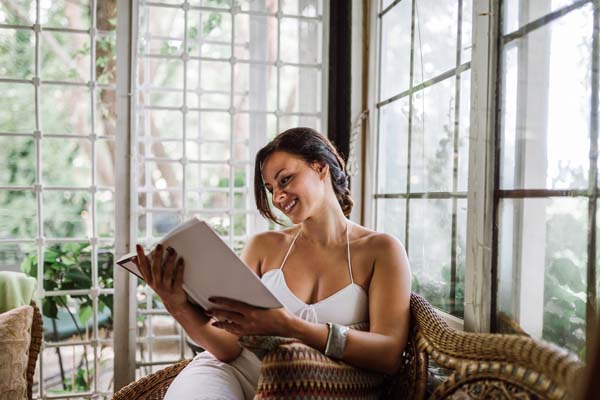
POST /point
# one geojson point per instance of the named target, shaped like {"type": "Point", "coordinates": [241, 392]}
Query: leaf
{"type": "Point", "coordinates": [49, 308]}
{"type": "Point", "coordinates": [84, 313]}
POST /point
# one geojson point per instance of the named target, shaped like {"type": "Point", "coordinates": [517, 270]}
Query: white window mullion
{"type": "Point", "coordinates": [478, 272]}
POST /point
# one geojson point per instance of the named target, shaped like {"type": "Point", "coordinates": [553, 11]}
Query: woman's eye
{"type": "Point", "coordinates": [285, 180]}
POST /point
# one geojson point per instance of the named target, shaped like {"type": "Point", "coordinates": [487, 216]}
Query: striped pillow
{"type": "Point", "coordinates": [297, 371]}
{"type": "Point", "coordinates": [291, 369]}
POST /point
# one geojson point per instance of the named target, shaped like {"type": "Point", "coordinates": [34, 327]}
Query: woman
{"type": "Point", "coordinates": [336, 273]}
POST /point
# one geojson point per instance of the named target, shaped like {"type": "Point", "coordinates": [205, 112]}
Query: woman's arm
{"type": "Point", "coordinates": [389, 314]}
{"type": "Point", "coordinates": [165, 276]}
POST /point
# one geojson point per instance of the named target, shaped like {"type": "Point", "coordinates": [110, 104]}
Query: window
{"type": "Point", "coordinates": [57, 130]}
{"type": "Point", "coordinates": [514, 131]}
{"type": "Point", "coordinates": [215, 81]}
{"type": "Point", "coordinates": [422, 131]}
{"type": "Point", "coordinates": [547, 185]}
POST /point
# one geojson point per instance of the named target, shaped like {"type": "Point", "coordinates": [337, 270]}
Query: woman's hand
{"type": "Point", "coordinates": [164, 274]}
{"type": "Point", "coordinates": [242, 319]}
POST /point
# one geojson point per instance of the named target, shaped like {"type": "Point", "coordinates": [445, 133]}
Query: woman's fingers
{"type": "Point", "coordinates": [142, 263]}
{"type": "Point", "coordinates": [226, 315]}
{"type": "Point", "coordinates": [157, 259]}
{"type": "Point", "coordinates": [178, 279]}
{"type": "Point", "coordinates": [169, 268]}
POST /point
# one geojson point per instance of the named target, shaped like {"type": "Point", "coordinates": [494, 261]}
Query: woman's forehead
{"type": "Point", "coordinates": [277, 161]}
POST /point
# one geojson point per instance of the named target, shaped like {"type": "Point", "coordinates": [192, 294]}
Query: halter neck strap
{"type": "Point", "coordinates": [347, 250]}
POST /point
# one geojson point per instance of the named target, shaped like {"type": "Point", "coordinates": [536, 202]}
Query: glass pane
{"type": "Point", "coordinates": [391, 217]}
{"type": "Point", "coordinates": [304, 38]}
{"type": "Point", "coordinates": [292, 121]}
{"type": "Point", "coordinates": [162, 30]}
{"type": "Point", "coordinates": [255, 87]}
{"type": "Point", "coordinates": [209, 3]}
{"type": "Point", "coordinates": [66, 109]}
{"type": "Point", "coordinates": [251, 26]}
{"type": "Point", "coordinates": [162, 124]}
{"type": "Point", "coordinates": [18, 46]}
{"type": "Point", "coordinates": [432, 138]}
{"type": "Point", "coordinates": [544, 238]}
{"type": "Point", "coordinates": [518, 13]}
{"type": "Point", "coordinates": [61, 155]}
{"type": "Point", "coordinates": [65, 14]}
{"type": "Point", "coordinates": [105, 213]}
{"type": "Point", "coordinates": [209, 75]}
{"type": "Point", "coordinates": [17, 160]}
{"type": "Point", "coordinates": [18, 214]}
{"type": "Point", "coordinates": [160, 224]}
{"type": "Point", "coordinates": [208, 126]}
{"type": "Point", "coordinates": [207, 151]}
{"type": "Point", "coordinates": [467, 31]}
{"type": "Point", "coordinates": [305, 8]}
{"type": "Point", "coordinates": [106, 114]}
{"type": "Point", "coordinates": [207, 176]}
{"type": "Point", "coordinates": [240, 224]}
{"type": "Point", "coordinates": [300, 90]}
{"type": "Point", "coordinates": [209, 34]}
{"type": "Point", "coordinates": [435, 38]}
{"type": "Point", "coordinates": [105, 165]}
{"type": "Point", "coordinates": [461, 258]}
{"type": "Point", "coordinates": [208, 200]}
{"type": "Point", "coordinates": [165, 148]}
{"type": "Point", "coordinates": [161, 198]}
{"type": "Point", "coordinates": [545, 95]}
{"type": "Point", "coordinates": [393, 147]}
{"type": "Point", "coordinates": [65, 57]}
{"type": "Point", "coordinates": [106, 59]}
{"type": "Point", "coordinates": [429, 249]}
{"type": "Point", "coordinates": [395, 50]}
{"type": "Point", "coordinates": [166, 73]}
{"type": "Point", "coordinates": [258, 5]}
{"type": "Point", "coordinates": [162, 175]}
{"type": "Point", "coordinates": [67, 214]}
{"type": "Point", "coordinates": [17, 256]}
{"type": "Point", "coordinates": [105, 274]}
{"type": "Point", "coordinates": [17, 105]}
{"type": "Point", "coordinates": [18, 16]}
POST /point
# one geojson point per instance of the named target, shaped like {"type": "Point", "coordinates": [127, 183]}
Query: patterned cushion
{"type": "Point", "coordinates": [293, 370]}
{"type": "Point", "coordinates": [297, 371]}
{"type": "Point", "coordinates": [15, 337]}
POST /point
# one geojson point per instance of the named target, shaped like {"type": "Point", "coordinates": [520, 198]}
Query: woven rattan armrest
{"type": "Point", "coordinates": [151, 387]}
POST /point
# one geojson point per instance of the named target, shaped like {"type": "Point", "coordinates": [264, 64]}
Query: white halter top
{"type": "Point", "coordinates": [347, 306]}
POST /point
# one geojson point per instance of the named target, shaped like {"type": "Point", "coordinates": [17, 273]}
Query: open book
{"type": "Point", "coordinates": [211, 269]}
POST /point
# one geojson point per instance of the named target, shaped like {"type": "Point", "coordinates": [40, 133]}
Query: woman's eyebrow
{"type": "Point", "coordinates": [277, 174]}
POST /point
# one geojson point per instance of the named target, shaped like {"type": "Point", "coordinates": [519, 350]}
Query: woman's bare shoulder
{"type": "Point", "coordinates": [261, 246]}
{"type": "Point", "coordinates": [380, 244]}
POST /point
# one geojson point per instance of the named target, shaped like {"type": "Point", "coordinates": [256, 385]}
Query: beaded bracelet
{"type": "Point", "coordinates": [336, 340]}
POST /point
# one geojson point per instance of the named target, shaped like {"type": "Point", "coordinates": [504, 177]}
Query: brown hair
{"type": "Point", "coordinates": [311, 146]}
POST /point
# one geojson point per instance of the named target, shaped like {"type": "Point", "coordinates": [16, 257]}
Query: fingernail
{"type": "Point", "coordinates": [213, 300]}
{"type": "Point", "coordinates": [159, 247]}
{"type": "Point", "coordinates": [170, 250]}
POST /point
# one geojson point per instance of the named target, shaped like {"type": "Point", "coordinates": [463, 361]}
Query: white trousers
{"type": "Point", "coordinates": [205, 378]}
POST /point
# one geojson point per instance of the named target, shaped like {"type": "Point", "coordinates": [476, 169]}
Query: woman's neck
{"type": "Point", "coordinates": [326, 229]}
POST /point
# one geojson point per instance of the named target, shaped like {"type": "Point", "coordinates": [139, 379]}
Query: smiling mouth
{"type": "Point", "coordinates": [289, 207]}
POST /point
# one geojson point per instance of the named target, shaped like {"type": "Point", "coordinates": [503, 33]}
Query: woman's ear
{"type": "Point", "coordinates": [321, 168]}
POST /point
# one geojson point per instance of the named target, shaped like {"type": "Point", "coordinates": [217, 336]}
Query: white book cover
{"type": "Point", "coordinates": [211, 269]}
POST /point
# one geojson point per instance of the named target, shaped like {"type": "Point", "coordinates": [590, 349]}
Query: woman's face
{"type": "Point", "coordinates": [296, 187]}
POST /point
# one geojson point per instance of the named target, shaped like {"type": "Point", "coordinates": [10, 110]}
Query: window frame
{"type": "Point", "coordinates": [483, 191]}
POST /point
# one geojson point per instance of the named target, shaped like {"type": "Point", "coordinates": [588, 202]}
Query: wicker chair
{"type": "Point", "coordinates": [34, 347]}
{"type": "Point", "coordinates": [480, 366]}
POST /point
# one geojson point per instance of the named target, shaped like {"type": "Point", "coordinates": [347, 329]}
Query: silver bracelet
{"type": "Point", "coordinates": [336, 340]}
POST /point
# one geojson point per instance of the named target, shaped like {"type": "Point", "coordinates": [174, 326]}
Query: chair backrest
{"type": "Point", "coordinates": [34, 347]}
{"type": "Point", "coordinates": [494, 364]}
